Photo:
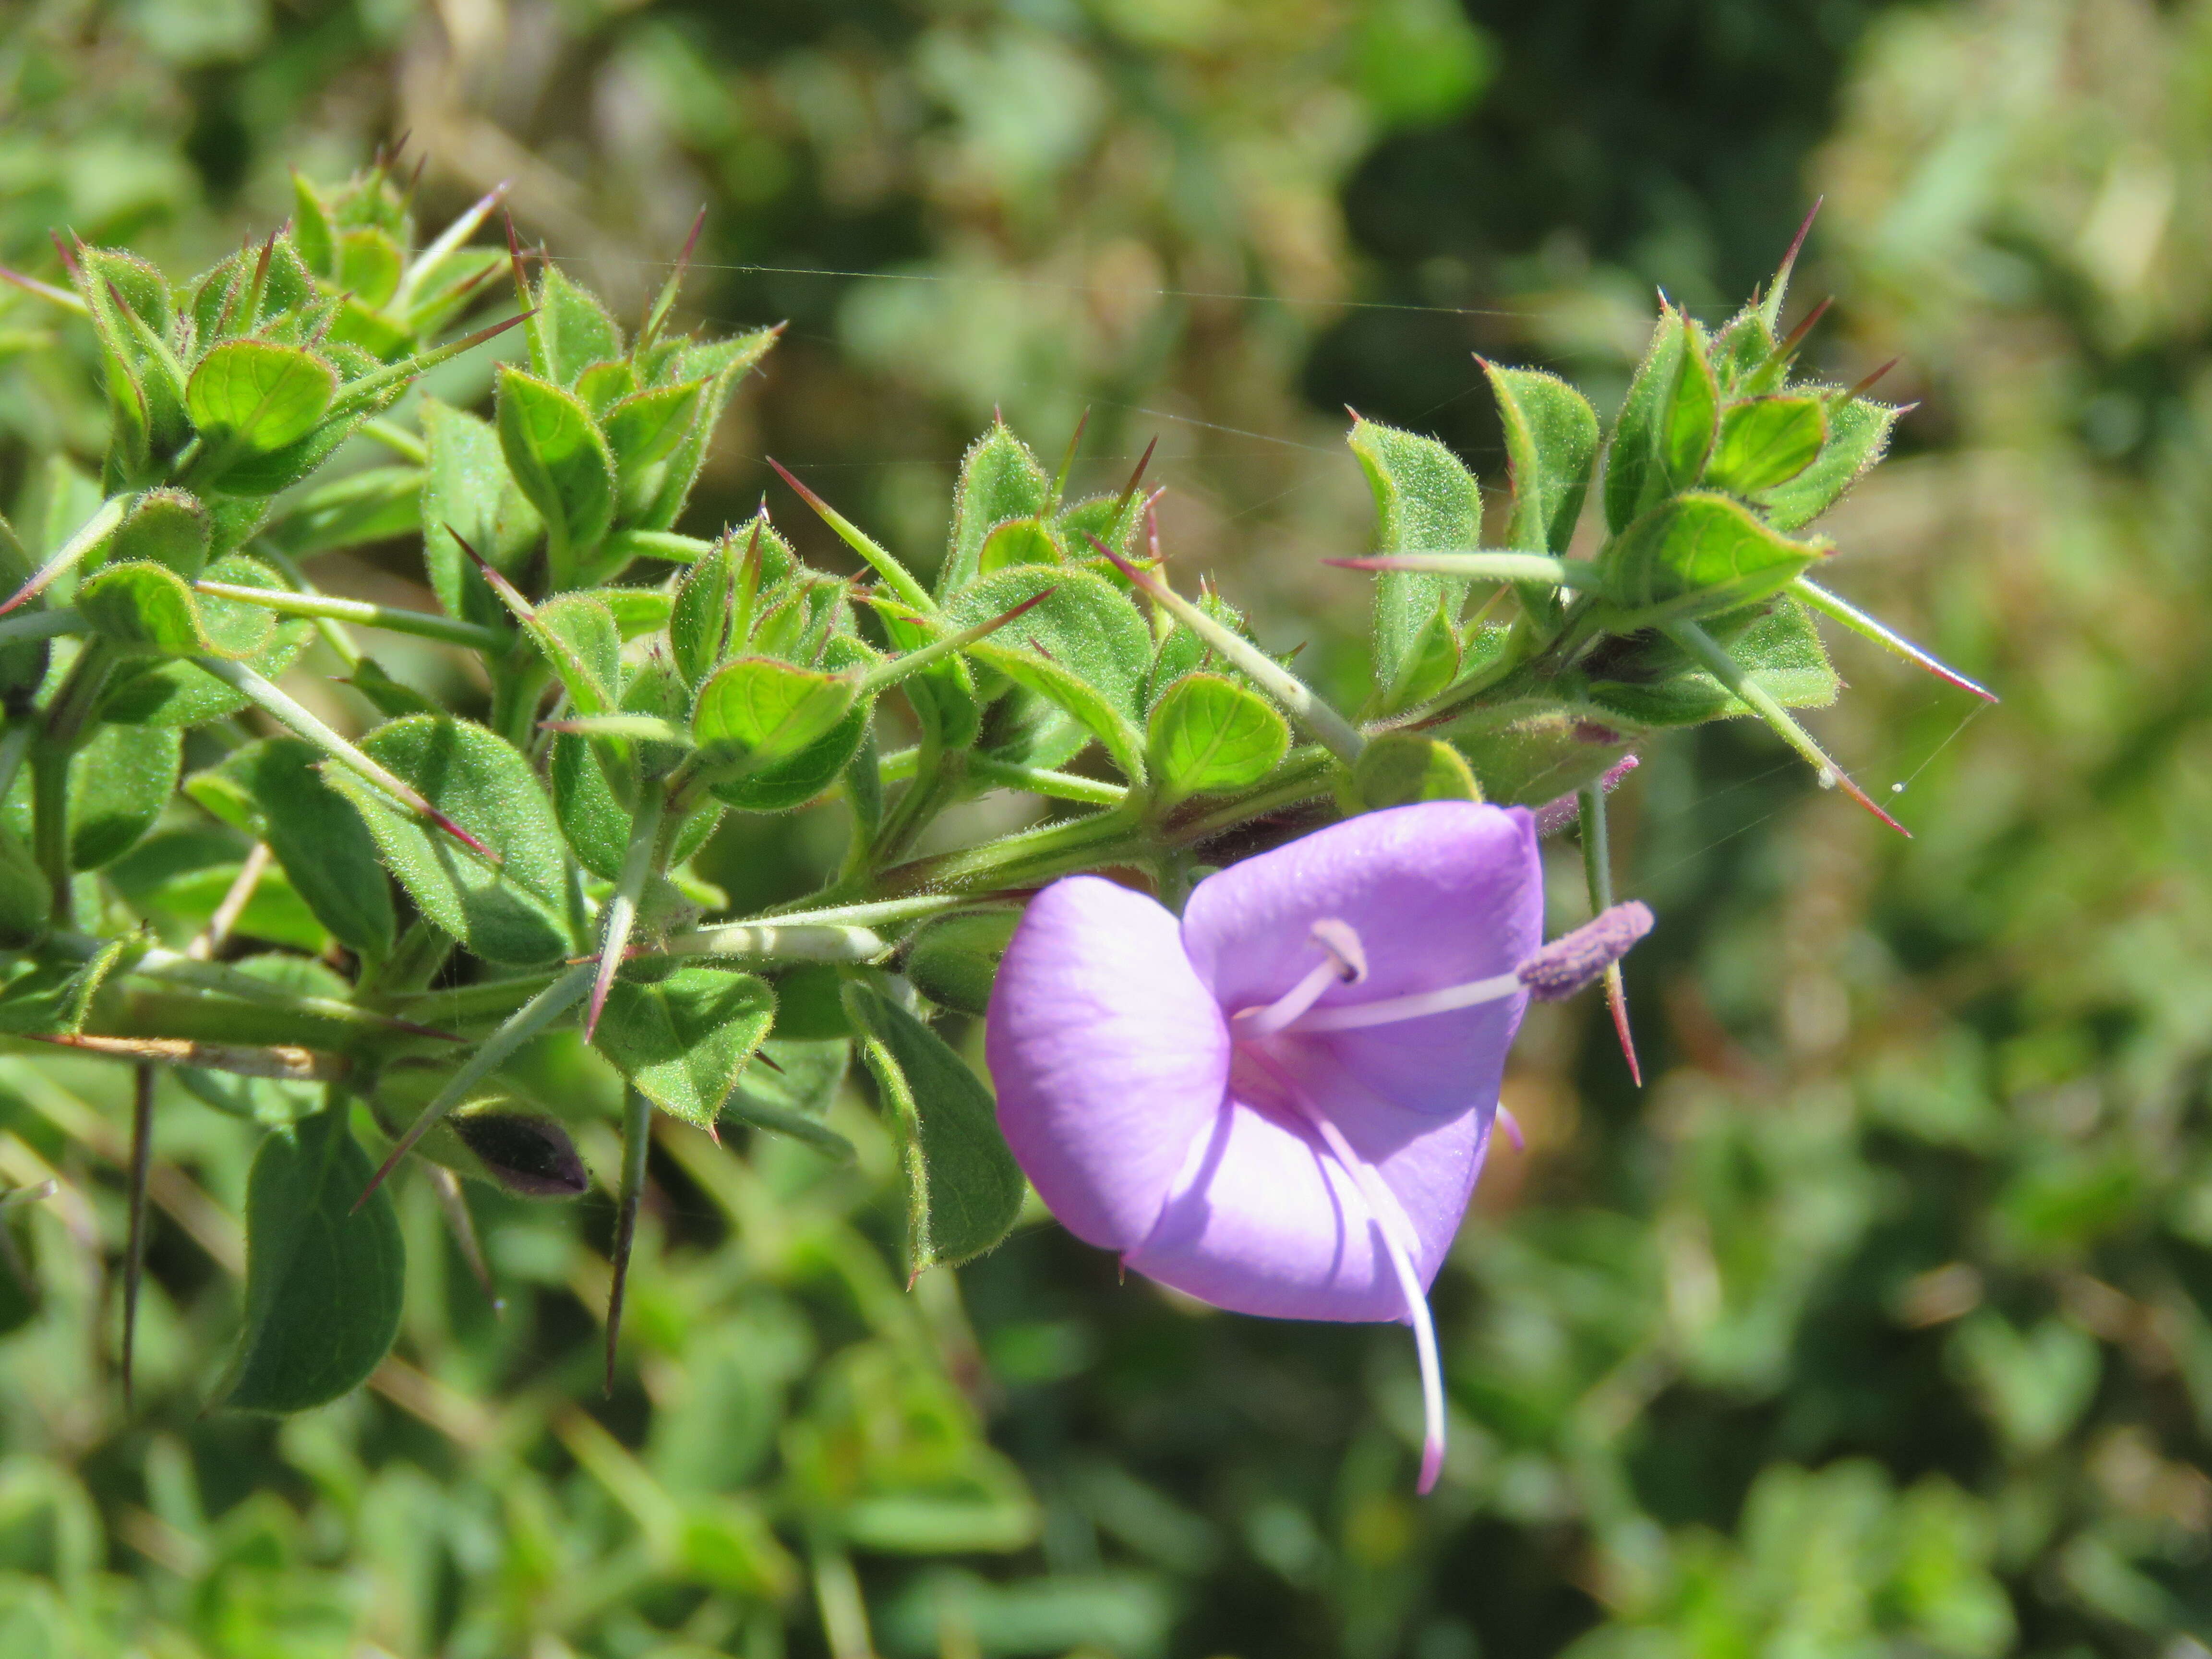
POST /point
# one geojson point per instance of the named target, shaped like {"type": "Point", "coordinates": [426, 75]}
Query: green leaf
{"type": "Point", "coordinates": [1424, 500]}
{"type": "Point", "coordinates": [1858, 432]}
{"type": "Point", "coordinates": [1400, 767]}
{"type": "Point", "coordinates": [326, 849]}
{"type": "Point", "coordinates": [756, 711]}
{"type": "Point", "coordinates": [604, 385]}
{"type": "Point", "coordinates": [167, 527]}
{"type": "Point", "coordinates": [953, 960]}
{"type": "Point", "coordinates": [1635, 464]}
{"type": "Point", "coordinates": [646, 427]}
{"type": "Point", "coordinates": [797, 779]}
{"type": "Point", "coordinates": [26, 899]}
{"type": "Point", "coordinates": [596, 825]}
{"type": "Point", "coordinates": [1018, 541]}
{"type": "Point", "coordinates": [234, 628]}
{"type": "Point", "coordinates": [1551, 447]}
{"type": "Point", "coordinates": [724, 362]}
{"type": "Point", "coordinates": [118, 785]}
{"type": "Point", "coordinates": [963, 1187]}
{"type": "Point", "coordinates": [792, 1094]}
{"type": "Point", "coordinates": [683, 1034]}
{"type": "Point", "coordinates": [322, 1279]}
{"type": "Point", "coordinates": [514, 913]}
{"type": "Point", "coordinates": [466, 485]}
{"type": "Point", "coordinates": [1432, 662]}
{"type": "Point", "coordinates": [559, 461]}
{"type": "Point", "coordinates": [1766, 442]}
{"type": "Point", "coordinates": [251, 398]}
{"type": "Point", "coordinates": [143, 610]}
{"type": "Point", "coordinates": [1653, 682]}
{"type": "Point", "coordinates": [1692, 412]}
{"type": "Point", "coordinates": [1698, 555]}
{"type": "Point", "coordinates": [700, 619]}
{"type": "Point", "coordinates": [1000, 479]}
{"type": "Point", "coordinates": [570, 332]}
{"type": "Point", "coordinates": [1084, 647]}
{"type": "Point", "coordinates": [1208, 733]}
{"type": "Point", "coordinates": [582, 643]}
{"type": "Point", "coordinates": [183, 693]}
{"type": "Point", "coordinates": [47, 995]}
{"type": "Point", "coordinates": [369, 263]}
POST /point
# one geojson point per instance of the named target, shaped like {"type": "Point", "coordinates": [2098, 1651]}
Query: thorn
{"type": "Point", "coordinates": [1357, 417]}
{"type": "Point", "coordinates": [692, 242]}
{"type": "Point", "coordinates": [1616, 998]}
{"type": "Point", "coordinates": [797, 489]}
{"type": "Point", "coordinates": [1796, 335]}
{"type": "Point", "coordinates": [514, 257]}
{"type": "Point", "coordinates": [769, 1060]}
{"type": "Point", "coordinates": [44, 291]}
{"type": "Point", "coordinates": [68, 259]}
{"type": "Point", "coordinates": [1867, 801]}
{"type": "Point", "coordinates": [1137, 476]}
{"type": "Point", "coordinates": [1789, 259]}
{"type": "Point", "coordinates": [1867, 384]}
{"type": "Point", "coordinates": [1067, 461]}
{"type": "Point", "coordinates": [1152, 530]}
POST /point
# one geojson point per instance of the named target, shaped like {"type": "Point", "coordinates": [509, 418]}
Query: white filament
{"type": "Point", "coordinates": [1389, 1011]}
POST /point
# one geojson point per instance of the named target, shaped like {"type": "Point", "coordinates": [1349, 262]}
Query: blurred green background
{"type": "Point", "coordinates": [1879, 1323]}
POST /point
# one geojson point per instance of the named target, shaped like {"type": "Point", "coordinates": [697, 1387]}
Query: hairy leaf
{"type": "Point", "coordinates": [683, 1034]}
{"type": "Point", "coordinates": [1424, 500]}
{"type": "Point", "coordinates": [1208, 733]}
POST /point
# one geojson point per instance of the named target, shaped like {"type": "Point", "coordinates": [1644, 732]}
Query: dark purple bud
{"type": "Point", "coordinates": [1574, 960]}
{"type": "Point", "coordinates": [529, 1155]}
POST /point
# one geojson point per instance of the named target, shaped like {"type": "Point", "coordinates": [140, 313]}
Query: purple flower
{"type": "Point", "coordinates": [1279, 1104]}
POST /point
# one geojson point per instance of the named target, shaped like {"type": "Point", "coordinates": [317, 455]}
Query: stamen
{"type": "Point", "coordinates": [1345, 964]}
{"type": "Point", "coordinates": [1574, 960]}
{"type": "Point", "coordinates": [1400, 1244]}
{"type": "Point", "coordinates": [1389, 1011]}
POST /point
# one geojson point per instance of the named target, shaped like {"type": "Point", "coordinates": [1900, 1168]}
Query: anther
{"type": "Point", "coordinates": [1577, 959]}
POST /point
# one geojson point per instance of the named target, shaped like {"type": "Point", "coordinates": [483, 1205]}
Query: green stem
{"type": "Point", "coordinates": [899, 766]}
{"type": "Point", "coordinates": [27, 626]}
{"type": "Point", "coordinates": [1023, 859]}
{"type": "Point", "coordinates": [780, 941]}
{"type": "Point", "coordinates": [936, 782]}
{"type": "Point", "coordinates": [423, 624]}
{"type": "Point", "coordinates": [640, 859]}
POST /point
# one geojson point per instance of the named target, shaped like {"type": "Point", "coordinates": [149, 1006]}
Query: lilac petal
{"type": "Point", "coordinates": [1263, 1221]}
{"type": "Point", "coordinates": [1440, 893]}
{"type": "Point", "coordinates": [1109, 1057]}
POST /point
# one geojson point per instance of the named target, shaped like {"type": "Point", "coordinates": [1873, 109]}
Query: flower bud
{"type": "Point", "coordinates": [528, 1154]}
{"type": "Point", "coordinates": [953, 960]}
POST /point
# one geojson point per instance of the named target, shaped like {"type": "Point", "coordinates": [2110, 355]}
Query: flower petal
{"type": "Point", "coordinates": [1107, 1054]}
{"type": "Point", "coordinates": [1440, 894]}
{"type": "Point", "coordinates": [1263, 1221]}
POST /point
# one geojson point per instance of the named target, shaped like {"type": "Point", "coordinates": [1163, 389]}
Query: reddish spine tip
{"type": "Point", "coordinates": [1616, 998]}
{"type": "Point", "coordinates": [1137, 476]}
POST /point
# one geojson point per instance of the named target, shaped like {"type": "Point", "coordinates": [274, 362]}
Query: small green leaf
{"type": "Point", "coordinates": [963, 1187]}
{"type": "Point", "coordinates": [466, 485]}
{"type": "Point", "coordinates": [646, 427]}
{"type": "Point", "coordinates": [1400, 767]}
{"type": "Point", "coordinates": [183, 693]}
{"type": "Point", "coordinates": [1698, 555]}
{"type": "Point", "coordinates": [322, 1279]}
{"type": "Point", "coordinates": [167, 527]}
{"type": "Point", "coordinates": [1424, 500]}
{"type": "Point", "coordinates": [1084, 647]}
{"type": "Point", "coordinates": [118, 785]}
{"type": "Point", "coordinates": [143, 610]}
{"type": "Point", "coordinates": [756, 711]}
{"type": "Point", "coordinates": [683, 1034]}
{"type": "Point", "coordinates": [596, 825]}
{"type": "Point", "coordinates": [236, 629]}
{"type": "Point", "coordinates": [558, 459]}
{"type": "Point", "coordinates": [1635, 464]}
{"type": "Point", "coordinates": [1692, 412]}
{"type": "Point", "coordinates": [1551, 447]}
{"type": "Point", "coordinates": [1018, 541]}
{"type": "Point", "coordinates": [1208, 734]}
{"type": "Point", "coordinates": [1000, 479]}
{"type": "Point", "coordinates": [1527, 761]}
{"type": "Point", "coordinates": [368, 266]}
{"type": "Point", "coordinates": [723, 363]}
{"type": "Point", "coordinates": [1858, 432]}
{"type": "Point", "coordinates": [251, 398]}
{"type": "Point", "coordinates": [604, 385]}
{"type": "Point", "coordinates": [326, 849]}
{"type": "Point", "coordinates": [514, 913]}
{"type": "Point", "coordinates": [1766, 442]}
{"type": "Point", "coordinates": [570, 332]}
{"type": "Point", "coordinates": [954, 959]}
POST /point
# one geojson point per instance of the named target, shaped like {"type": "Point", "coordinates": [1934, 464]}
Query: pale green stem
{"type": "Point", "coordinates": [423, 624]}
{"type": "Point", "coordinates": [396, 439]}
{"type": "Point", "coordinates": [520, 1027]}
{"type": "Point", "coordinates": [899, 765]}
{"type": "Point", "coordinates": [781, 941]}
{"type": "Point", "coordinates": [637, 1124]}
{"type": "Point", "coordinates": [89, 535]}
{"type": "Point", "coordinates": [32, 625]}
{"type": "Point", "coordinates": [1731, 674]}
{"type": "Point", "coordinates": [1842, 610]}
